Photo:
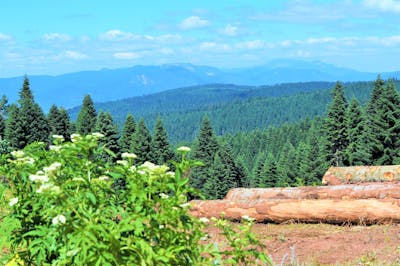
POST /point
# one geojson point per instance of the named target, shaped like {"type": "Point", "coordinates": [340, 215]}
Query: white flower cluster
{"type": "Point", "coordinates": [98, 135]}
{"type": "Point", "coordinates": [122, 162]}
{"type": "Point", "coordinates": [48, 187]}
{"type": "Point", "coordinates": [58, 137]}
{"type": "Point", "coordinates": [247, 218]}
{"type": "Point", "coordinates": [20, 158]}
{"type": "Point", "coordinates": [51, 169]}
{"type": "Point", "coordinates": [163, 196]}
{"type": "Point", "coordinates": [13, 201]}
{"type": "Point", "coordinates": [204, 220]}
{"type": "Point", "coordinates": [56, 148]}
{"type": "Point", "coordinates": [75, 137]}
{"type": "Point", "coordinates": [150, 167]}
{"type": "Point", "coordinates": [44, 177]}
{"type": "Point", "coordinates": [128, 155]}
{"type": "Point", "coordinates": [18, 154]}
{"type": "Point", "coordinates": [184, 149]}
{"type": "Point", "coordinates": [59, 219]}
{"type": "Point", "coordinates": [39, 177]}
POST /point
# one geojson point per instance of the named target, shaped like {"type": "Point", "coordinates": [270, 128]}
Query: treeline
{"type": "Point", "coordinates": [349, 134]}
{"type": "Point", "coordinates": [289, 155]}
{"type": "Point", "coordinates": [231, 108]}
{"type": "Point", "coordinates": [24, 122]}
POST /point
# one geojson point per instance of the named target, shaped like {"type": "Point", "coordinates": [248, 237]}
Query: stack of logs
{"type": "Point", "coordinates": [361, 194]}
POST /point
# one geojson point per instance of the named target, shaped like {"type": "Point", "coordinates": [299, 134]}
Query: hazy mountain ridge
{"type": "Point", "coordinates": [106, 85]}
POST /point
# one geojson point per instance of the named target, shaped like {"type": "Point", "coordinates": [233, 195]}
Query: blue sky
{"type": "Point", "coordinates": [55, 37]}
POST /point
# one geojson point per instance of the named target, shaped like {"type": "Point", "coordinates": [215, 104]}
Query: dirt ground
{"type": "Point", "coordinates": [324, 244]}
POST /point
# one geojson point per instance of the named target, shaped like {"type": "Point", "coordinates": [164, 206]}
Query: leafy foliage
{"type": "Point", "coordinates": [62, 209]}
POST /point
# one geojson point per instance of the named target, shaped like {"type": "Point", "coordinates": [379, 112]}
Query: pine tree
{"type": "Point", "coordinates": [317, 161]}
{"type": "Point", "coordinates": [3, 107]}
{"type": "Point", "coordinates": [14, 132]}
{"type": "Point", "coordinates": [212, 187]}
{"type": "Point", "coordinates": [391, 124]}
{"type": "Point", "coordinates": [141, 144]}
{"type": "Point", "coordinates": [356, 152]}
{"type": "Point", "coordinates": [223, 174]}
{"type": "Point", "coordinates": [375, 121]}
{"type": "Point", "coordinates": [125, 142]}
{"type": "Point", "coordinates": [234, 175]}
{"type": "Point", "coordinates": [243, 171]}
{"type": "Point", "coordinates": [204, 151]}
{"type": "Point", "coordinates": [105, 125]}
{"type": "Point", "coordinates": [87, 117]}
{"type": "Point", "coordinates": [27, 122]}
{"type": "Point", "coordinates": [58, 120]}
{"type": "Point", "coordinates": [268, 174]}
{"type": "Point", "coordinates": [257, 177]}
{"type": "Point", "coordinates": [285, 169]}
{"type": "Point", "coordinates": [161, 150]}
{"type": "Point", "coordinates": [303, 166]}
{"type": "Point", "coordinates": [335, 127]}
{"type": "Point", "coordinates": [65, 124]}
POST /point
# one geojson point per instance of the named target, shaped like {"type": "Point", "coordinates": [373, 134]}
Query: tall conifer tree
{"type": "Point", "coordinates": [390, 124]}
{"type": "Point", "coordinates": [128, 131]}
{"type": "Point", "coordinates": [14, 132]}
{"type": "Point", "coordinates": [335, 127]}
{"type": "Point", "coordinates": [268, 174]}
{"type": "Point", "coordinates": [357, 152]}
{"type": "Point", "coordinates": [141, 144]}
{"type": "Point", "coordinates": [105, 125]}
{"type": "Point", "coordinates": [27, 122]}
{"type": "Point", "coordinates": [86, 121]}
{"type": "Point", "coordinates": [375, 120]}
{"type": "Point", "coordinates": [59, 123]}
{"type": "Point", "coordinates": [205, 150]}
{"type": "Point", "coordinates": [161, 150]}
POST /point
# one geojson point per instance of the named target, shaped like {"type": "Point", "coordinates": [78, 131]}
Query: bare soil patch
{"type": "Point", "coordinates": [325, 244]}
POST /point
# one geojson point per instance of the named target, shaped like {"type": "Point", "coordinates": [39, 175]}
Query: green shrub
{"type": "Point", "coordinates": [66, 206]}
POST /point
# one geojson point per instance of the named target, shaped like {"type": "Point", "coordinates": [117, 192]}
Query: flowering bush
{"type": "Point", "coordinates": [66, 206]}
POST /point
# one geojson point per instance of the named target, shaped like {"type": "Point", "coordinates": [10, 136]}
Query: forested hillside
{"type": "Point", "coordinates": [231, 108]}
{"type": "Point", "coordinates": [251, 137]}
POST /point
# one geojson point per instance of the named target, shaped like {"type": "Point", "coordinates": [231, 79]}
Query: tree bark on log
{"type": "Point", "coordinates": [360, 211]}
{"type": "Point", "coordinates": [374, 190]}
{"type": "Point", "coordinates": [357, 174]}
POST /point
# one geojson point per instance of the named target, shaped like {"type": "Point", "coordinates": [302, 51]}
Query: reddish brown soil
{"type": "Point", "coordinates": [322, 244]}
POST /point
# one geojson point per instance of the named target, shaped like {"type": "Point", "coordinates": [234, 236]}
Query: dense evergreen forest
{"type": "Point", "coordinates": [263, 138]}
{"type": "Point", "coordinates": [231, 108]}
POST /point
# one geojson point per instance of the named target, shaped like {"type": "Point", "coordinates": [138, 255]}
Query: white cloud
{"type": "Point", "coordinates": [126, 55]}
{"type": "Point", "coordinates": [384, 5]}
{"type": "Point", "coordinates": [251, 45]}
{"type": "Point", "coordinates": [166, 51]}
{"type": "Point", "coordinates": [5, 37]}
{"type": "Point", "coordinates": [230, 30]}
{"type": "Point", "coordinates": [193, 22]}
{"type": "Point", "coordinates": [56, 37]}
{"type": "Point", "coordinates": [215, 47]}
{"type": "Point", "coordinates": [116, 35]}
{"type": "Point", "coordinates": [75, 55]}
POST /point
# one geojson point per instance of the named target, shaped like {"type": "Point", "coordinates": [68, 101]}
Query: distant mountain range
{"type": "Point", "coordinates": [105, 85]}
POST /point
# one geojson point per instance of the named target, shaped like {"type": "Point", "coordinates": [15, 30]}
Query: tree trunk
{"type": "Point", "coordinates": [346, 191]}
{"type": "Point", "coordinates": [357, 174]}
{"type": "Point", "coordinates": [361, 211]}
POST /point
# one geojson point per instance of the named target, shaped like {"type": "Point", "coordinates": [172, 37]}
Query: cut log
{"type": "Point", "coordinates": [361, 211]}
{"type": "Point", "coordinates": [346, 191]}
{"type": "Point", "coordinates": [357, 174]}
